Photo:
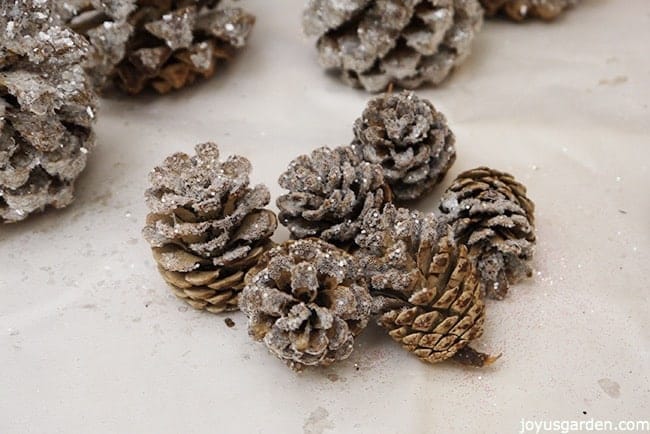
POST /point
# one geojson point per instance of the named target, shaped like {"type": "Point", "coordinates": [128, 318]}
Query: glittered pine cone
{"type": "Point", "coordinates": [330, 190]}
{"type": "Point", "coordinates": [207, 227]}
{"type": "Point", "coordinates": [425, 289]}
{"type": "Point", "coordinates": [375, 43]}
{"type": "Point", "coordinates": [307, 301]}
{"type": "Point", "coordinates": [47, 108]}
{"type": "Point", "coordinates": [409, 139]}
{"type": "Point", "coordinates": [491, 214]}
{"type": "Point", "coordinates": [163, 44]}
{"type": "Point", "coordinates": [519, 10]}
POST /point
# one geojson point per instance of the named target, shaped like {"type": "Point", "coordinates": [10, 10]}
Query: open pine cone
{"type": "Point", "coordinates": [409, 139]}
{"type": "Point", "coordinates": [330, 191]}
{"type": "Point", "coordinates": [490, 213]}
{"type": "Point", "coordinates": [307, 301]}
{"type": "Point", "coordinates": [424, 288]}
{"type": "Point", "coordinates": [47, 108]}
{"type": "Point", "coordinates": [165, 44]}
{"type": "Point", "coordinates": [375, 43]}
{"type": "Point", "coordinates": [207, 227]}
{"type": "Point", "coordinates": [519, 10]}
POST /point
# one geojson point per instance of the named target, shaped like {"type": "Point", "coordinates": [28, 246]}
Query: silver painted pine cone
{"type": "Point", "coordinates": [47, 108]}
{"type": "Point", "coordinates": [409, 138]}
{"type": "Point", "coordinates": [375, 43]}
{"type": "Point", "coordinates": [425, 289]}
{"type": "Point", "coordinates": [162, 44]}
{"type": "Point", "coordinates": [307, 301]}
{"type": "Point", "coordinates": [206, 226]}
{"type": "Point", "coordinates": [330, 190]}
{"type": "Point", "coordinates": [491, 214]}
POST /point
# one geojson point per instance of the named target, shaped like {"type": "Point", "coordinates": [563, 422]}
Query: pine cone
{"type": "Point", "coordinates": [165, 44]}
{"type": "Point", "coordinates": [330, 191]}
{"type": "Point", "coordinates": [490, 213]}
{"type": "Point", "coordinates": [375, 43]}
{"type": "Point", "coordinates": [409, 139]}
{"type": "Point", "coordinates": [207, 227]}
{"type": "Point", "coordinates": [519, 10]}
{"type": "Point", "coordinates": [47, 108]}
{"type": "Point", "coordinates": [307, 301]}
{"type": "Point", "coordinates": [425, 290]}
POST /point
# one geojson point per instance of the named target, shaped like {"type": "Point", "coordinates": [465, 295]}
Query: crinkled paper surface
{"type": "Point", "coordinates": [92, 340]}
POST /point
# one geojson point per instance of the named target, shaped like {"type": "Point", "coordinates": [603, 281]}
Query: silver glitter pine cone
{"type": "Point", "coordinates": [47, 109]}
{"type": "Point", "coordinates": [375, 43]}
{"type": "Point", "coordinates": [519, 10]}
{"type": "Point", "coordinates": [207, 227]}
{"type": "Point", "coordinates": [489, 212]}
{"type": "Point", "coordinates": [425, 289]}
{"type": "Point", "coordinates": [330, 190]}
{"type": "Point", "coordinates": [307, 302]}
{"type": "Point", "coordinates": [409, 138]}
{"type": "Point", "coordinates": [161, 44]}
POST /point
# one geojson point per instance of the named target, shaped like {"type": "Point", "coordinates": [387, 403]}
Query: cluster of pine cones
{"type": "Point", "coordinates": [55, 55]}
{"type": "Point", "coordinates": [354, 253]}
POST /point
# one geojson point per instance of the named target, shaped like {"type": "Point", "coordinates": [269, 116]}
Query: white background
{"type": "Point", "coordinates": [92, 341]}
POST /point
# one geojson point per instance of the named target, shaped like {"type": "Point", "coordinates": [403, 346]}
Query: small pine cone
{"type": "Point", "coordinates": [519, 10]}
{"type": "Point", "coordinates": [376, 43]}
{"type": "Point", "coordinates": [47, 108]}
{"type": "Point", "coordinates": [424, 288]}
{"type": "Point", "coordinates": [490, 213]}
{"type": "Point", "coordinates": [330, 191]}
{"type": "Point", "coordinates": [307, 301]}
{"type": "Point", "coordinates": [164, 44]}
{"type": "Point", "coordinates": [207, 227]}
{"type": "Point", "coordinates": [409, 139]}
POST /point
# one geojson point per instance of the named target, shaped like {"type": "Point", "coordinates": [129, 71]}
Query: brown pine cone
{"type": "Point", "coordinates": [47, 108]}
{"type": "Point", "coordinates": [307, 301]}
{"type": "Point", "coordinates": [424, 288]}
{"type": "Point", "coordinates": [490, 213]}
{"type": "Point", "coordinates": [164, 44]}
{"type": "Point", "coordinates": [409, 139]}
{"type": "Point", "coordinates": [376, 43]}
{"type": "Point", "coordinates": [207, 227]}
{"type": "Point", "coordinates": [519, 10]}
{"type": "Point", "coordinates": [330, 191]}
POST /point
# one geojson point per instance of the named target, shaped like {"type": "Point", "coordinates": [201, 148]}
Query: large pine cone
{"type": "Point", "coordinates": [409, 139]}
{"type": "Point", "coordinates": [307, 301]}
{"type": "Point", "coordinates": [330, 191]}
{"type": "Point", "coordinates": [425, 289]}
{"type": "Point", "coordinates": [165, 44]}
{"type": "Point", "coordinates": [490, 213]}
{"type": "Point", "coordinates": [519, 10]}
{"type": "Point", "coordinates": [374, 43]}
{"type": "Point", "coordinates": [47, 108]}
{"type": "Point", "coordinates": [207, 227]}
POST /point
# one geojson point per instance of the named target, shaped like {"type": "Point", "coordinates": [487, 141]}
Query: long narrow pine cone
{"type": "Point", "coordinates": [376, 43]}
{"type": "Point", "coordinates": [307, 301]}
{"type": "Point", "coordinates": [519, 10]}
{"type": "Point", "coordinates": [330, 191]}
{"type": "Point", "coordinates": [425, 289]}
{"type": "Point", "coordinates": [409, 138]}
{"type": "Point", "coordinates": [162, 44]}
{"type": "Point", "coordinates": [491, 214]}
{"type": "Point", "coordinates": [207, 227]}
{"type": "Point", "coordinates": [47, 108]}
